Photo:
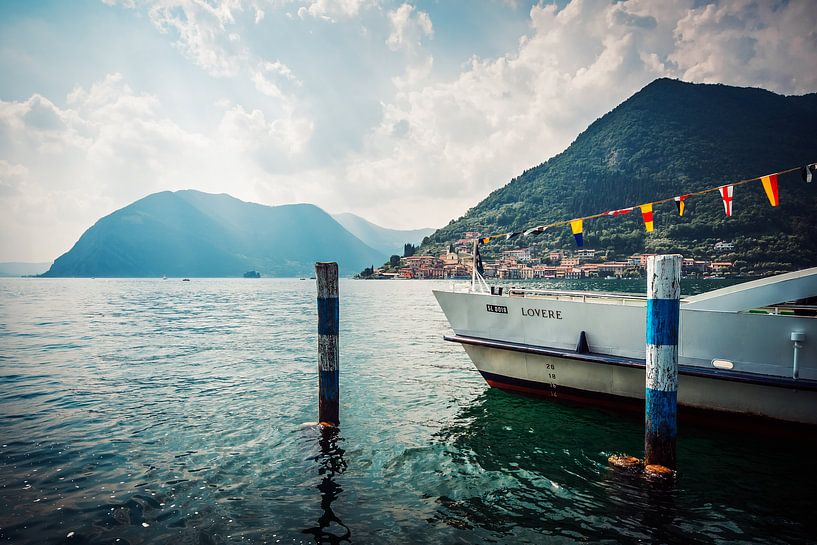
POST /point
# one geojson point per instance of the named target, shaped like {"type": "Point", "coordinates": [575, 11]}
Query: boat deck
{"type": "Point", "coordinates": [638, 300]}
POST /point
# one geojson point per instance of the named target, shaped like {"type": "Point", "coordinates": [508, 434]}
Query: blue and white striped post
{"type": "Point", "coordinates": [328, 321]}
{"type": "Point", "coordinates": [663, 313]}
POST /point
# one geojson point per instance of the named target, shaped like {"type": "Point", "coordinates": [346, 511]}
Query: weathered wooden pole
{"type": "Point", "coordinates": [328, 321]}
{"type": "Point", "coordinates": [663, 314]}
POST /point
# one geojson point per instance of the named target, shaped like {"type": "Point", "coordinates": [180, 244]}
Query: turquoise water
{"type": "Point", "coordinates": [149, 411]}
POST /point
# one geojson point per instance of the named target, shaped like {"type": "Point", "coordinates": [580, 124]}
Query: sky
{"type": "Point", "coordinates": [405, 113]}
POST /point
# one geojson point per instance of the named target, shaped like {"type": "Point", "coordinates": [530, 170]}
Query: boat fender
{"type": "Point", "coordinates": [582, 346]}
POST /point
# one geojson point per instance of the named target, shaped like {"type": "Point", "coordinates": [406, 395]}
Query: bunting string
{"type": "Point", "coordinates": [726, 191]}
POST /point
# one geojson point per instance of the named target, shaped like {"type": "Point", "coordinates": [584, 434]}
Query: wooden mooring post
{"type": "Point", "coordinates": [661, 394]}
{"type": "Point", "coordinates": [663, 316]}
{"type": "Point", "coordinates": [328, 353]}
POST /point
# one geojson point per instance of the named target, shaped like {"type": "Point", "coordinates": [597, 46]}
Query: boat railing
{"type": "Point", "coordinates": [785, 309]}
{"type": "Point", "coordinates": [583, 296]}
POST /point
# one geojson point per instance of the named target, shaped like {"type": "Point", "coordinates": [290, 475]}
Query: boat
{"type": "Point", "coordinates": [747, 349]}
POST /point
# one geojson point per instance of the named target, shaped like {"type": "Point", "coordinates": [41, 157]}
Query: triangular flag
{"type": "Point", "coordinates": [807, 172]}
{"type": "Point", "coordinates": [509, 236]}
{"type": "Point", "coordinates": [620, 211]}
{"type": "Point", "coordinates": [679, 202]}
{"type": "Point", "coordinates": [646, 213]}
{"type": "Point", "coordinates": [577, 228]}
{"type": "Point", "coordinates": [485, 240]}
{"type": "Point", "coordinates": [539, 229]}
{"type": "Point", "coordinates": [770, 186]}
{"type": "Point", "coordinates": [726, 194]}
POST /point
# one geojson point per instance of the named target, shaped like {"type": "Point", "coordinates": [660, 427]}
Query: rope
{"type": "Point", "coordinates": [656, 202]}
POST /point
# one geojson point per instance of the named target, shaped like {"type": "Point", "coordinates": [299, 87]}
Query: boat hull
{"type": "Point", "coordinates": [575, 379]}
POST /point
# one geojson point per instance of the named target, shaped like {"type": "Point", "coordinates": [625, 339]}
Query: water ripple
{"type": "Point", "coordinates": [143, 411]}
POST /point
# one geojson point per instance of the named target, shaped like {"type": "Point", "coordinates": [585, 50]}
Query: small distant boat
{"type": "Point", "coordinates": [164, 277]}
{"type": "Point", "coordinates": [302, 278]}
{"type": "Point", "coordinates": [185, 280]}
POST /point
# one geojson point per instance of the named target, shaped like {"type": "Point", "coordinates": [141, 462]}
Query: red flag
{"type": "Point", "coordinates": [620, 211]}
{"type": "Point", "coordinates": [726, 194]}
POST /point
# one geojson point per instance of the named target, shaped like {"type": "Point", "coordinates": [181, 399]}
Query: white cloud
{"type": "Point", "coordinates": [409, 26]}
{"type": "Point", "coordinates": [11, 176]}
{"type": "Point", "coordinates": [268, 78]}
{"type": "Point", "coordinates": [749, 43]}
{"type": "Point", "coordinates": [200, 28]}
{"type": "Point", "coordinates": [109, 146]}
{"type": "Point", "coordinates": [332, 10]}
{"type": "Point", "coordinates": [249, 132]}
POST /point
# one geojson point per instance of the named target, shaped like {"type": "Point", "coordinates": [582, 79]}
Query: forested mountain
{"type": "Point", "coordinates": [190, 233]}
{"type": "Point", "coordinates": [387, 241]}
{"type": "Point", "coordinates": [672, 138]}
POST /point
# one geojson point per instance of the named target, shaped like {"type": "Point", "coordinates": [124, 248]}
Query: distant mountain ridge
{"type": "Point", "coordinates": [671, 138]}
{"type": "Point", "coordinates": [190, 233]}
{"type": "Point", "coordinates": [387, 241]}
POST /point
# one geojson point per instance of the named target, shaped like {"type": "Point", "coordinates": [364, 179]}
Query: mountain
{"type": "Point", "coordinates": [387, 241]}
{"type": "Point", "coordinates": [190, 233]}
{"type": "Point", "coordinates": [672, 138]}
{"type": "Point", "coordinates": [22, 269]}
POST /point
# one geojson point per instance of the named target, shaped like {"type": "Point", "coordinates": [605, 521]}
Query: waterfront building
{"type": "Point", "coordinates": [643, 261]}
{"type": "Point", "coordinates": [417, 261]}
{"type": "Point", "coordinates": [613, 268]}
{"type": "Point", "coordinates": [585, 255]}
{"type": "Point", "coordinates": [450, 258]}
{"type": "Point", "coordinates": [523, 255]}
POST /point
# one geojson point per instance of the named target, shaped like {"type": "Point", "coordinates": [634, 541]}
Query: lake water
{"type": "Point", "coordinates": [150, 411]}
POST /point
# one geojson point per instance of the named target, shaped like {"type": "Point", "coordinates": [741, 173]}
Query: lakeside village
{"type": "Point", "coordinates": [527, 264]}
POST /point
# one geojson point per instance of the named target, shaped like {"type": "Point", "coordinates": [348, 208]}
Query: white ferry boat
{"type": "Point", "coordinates": [749, 349]}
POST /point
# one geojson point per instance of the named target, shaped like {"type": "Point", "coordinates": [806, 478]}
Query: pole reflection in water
{"type": "Point", "coordinates": [330, 529]}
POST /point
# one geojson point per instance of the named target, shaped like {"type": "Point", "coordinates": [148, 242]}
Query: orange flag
{"type": "Point", "coordinates": [646, 213]}
{"type": "Point", "coordinates": [770, 185]}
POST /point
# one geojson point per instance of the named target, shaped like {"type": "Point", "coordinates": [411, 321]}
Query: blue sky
{"type": "Point", "coordinates": [407, 113]}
